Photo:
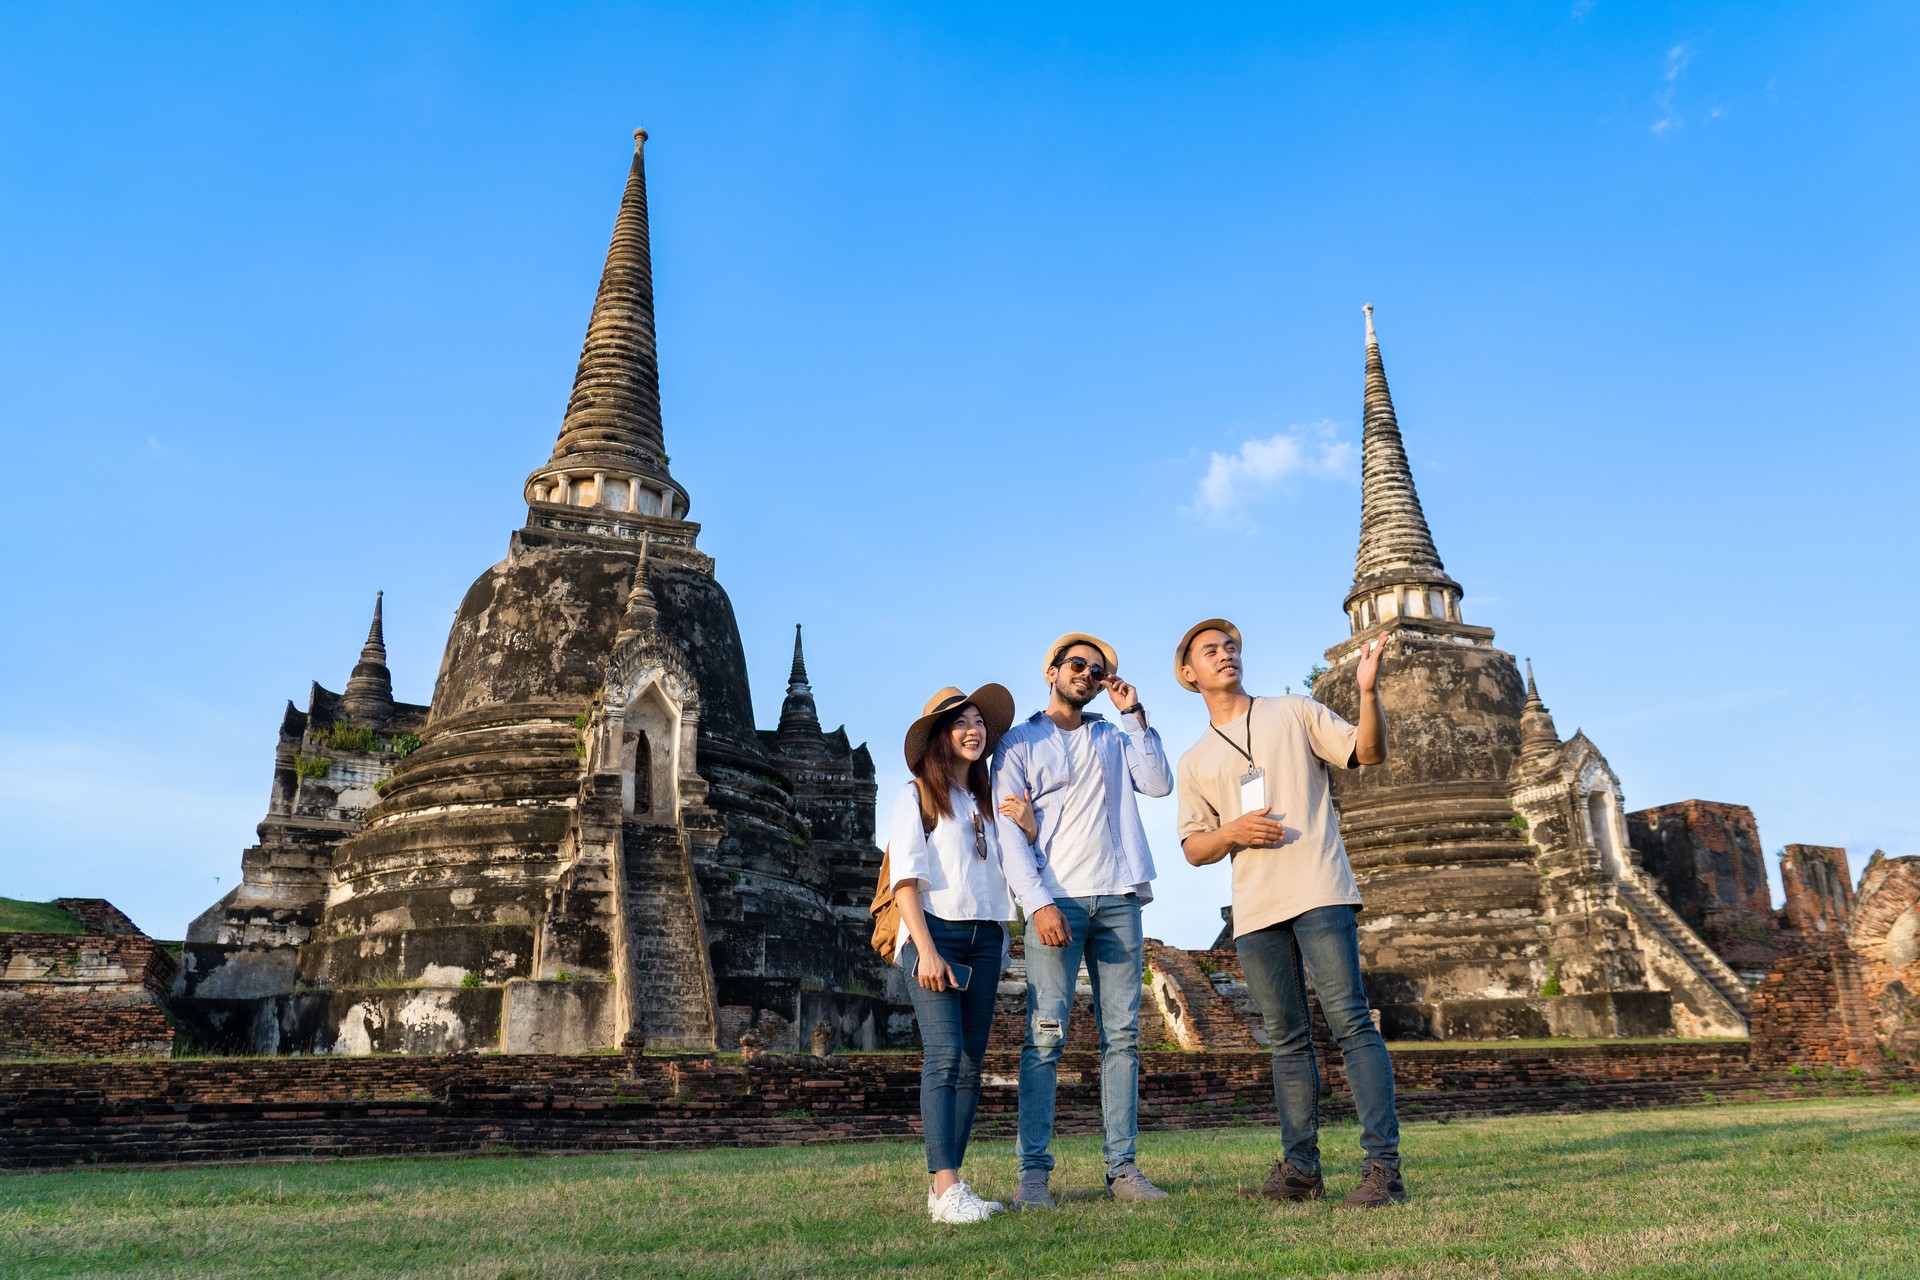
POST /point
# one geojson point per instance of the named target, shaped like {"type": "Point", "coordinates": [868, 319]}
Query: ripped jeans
{"type": "Point", "coordinates": [1106, 930]}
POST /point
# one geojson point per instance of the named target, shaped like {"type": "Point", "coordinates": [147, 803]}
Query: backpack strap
{"type": "Point", "coordinates": [885, 913]}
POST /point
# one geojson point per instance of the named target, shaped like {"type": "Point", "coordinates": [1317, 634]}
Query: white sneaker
{"type": "Point", "coordinates": [989, 1207]}
{"type": "Point", "coordinates": [957, 1205]}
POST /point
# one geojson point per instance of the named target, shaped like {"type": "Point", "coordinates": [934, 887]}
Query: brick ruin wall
{"type": "Point", "coordinates": [1812, 1010]}
{"type": "Point", "coordinates": [66, 995]}
{"type": "Point", "coordinates": [1706, 860]}
{"type": "Point", "coordinates": [1885, 934]}
{"type": "Point", "coordinates": [99, 916]}
{"type": "Point", "coordinates": [67, 1113]}
{"type": "Point", "coordinates": [1819, 889]}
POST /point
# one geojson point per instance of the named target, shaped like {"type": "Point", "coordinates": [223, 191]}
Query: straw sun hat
{"type": "Point", "coordinates": [994, 702]}
{"type": "Point", "coordinates": [1186, 642]}
{"type": "Point", "coordinates": [1072, 638]}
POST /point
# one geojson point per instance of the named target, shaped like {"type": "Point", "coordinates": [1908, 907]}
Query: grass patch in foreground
{"type": "Point", "coordinates": [1555, 1042]}
{"type": "Point", "coordinates": [1808, 1188]}
{"type": "Point", "coordinates": [37, 917]}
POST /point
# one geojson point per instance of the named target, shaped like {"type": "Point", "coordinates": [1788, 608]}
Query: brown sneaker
{"type": "Point", "coordinates": [1288, 1183]}
{"type": "Point", "coordinates": [1379, 1187]}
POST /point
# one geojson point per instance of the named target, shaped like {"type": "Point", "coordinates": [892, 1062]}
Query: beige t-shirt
{"type": "Point", "coordinates": [1295, 739]}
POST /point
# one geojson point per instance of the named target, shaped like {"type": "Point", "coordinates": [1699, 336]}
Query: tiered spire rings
{"type": "Point", "coordinates": [369, 694]}
{"type": "Point", "coordinates": [611, 453]}
{"type": "Point", "coordinates": [1397, 572]}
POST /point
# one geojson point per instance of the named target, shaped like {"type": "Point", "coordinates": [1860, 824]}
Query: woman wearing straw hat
{"type": "Point", "coordinates": [952, 895]}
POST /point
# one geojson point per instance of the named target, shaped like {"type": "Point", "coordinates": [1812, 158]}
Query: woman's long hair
{"type": "Point", "coordinates": [935, 770]}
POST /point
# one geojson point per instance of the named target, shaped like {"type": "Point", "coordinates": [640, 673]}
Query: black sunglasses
{"type": "Point", "coordinates": [1077, 665]}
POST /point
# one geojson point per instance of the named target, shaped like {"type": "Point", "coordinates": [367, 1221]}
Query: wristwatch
{"type": "Point", "coordinates": [1133, 710]}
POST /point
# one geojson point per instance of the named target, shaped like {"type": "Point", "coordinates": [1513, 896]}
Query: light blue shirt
{"type": "Point", "coordinates": [1032, 759]}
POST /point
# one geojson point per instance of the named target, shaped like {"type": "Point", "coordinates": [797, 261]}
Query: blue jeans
{"type": "Point", "coordinates": [1326, 940]}
{"type": "Point", "coordinates": [1107, 931]}
{"type": "Point", "coordinates": [953, 1032]}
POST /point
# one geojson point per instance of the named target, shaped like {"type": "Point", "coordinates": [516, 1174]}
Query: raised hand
{"type": "Point", "coordinates": [1367, 674]}
{"type": "Point", "coordinates": [1020, 809]}
{"type": "Point", "coordinates": [1123, 694]}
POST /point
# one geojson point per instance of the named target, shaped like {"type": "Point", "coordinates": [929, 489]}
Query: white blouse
{"type": "Point", "coordinates": [956, 883]}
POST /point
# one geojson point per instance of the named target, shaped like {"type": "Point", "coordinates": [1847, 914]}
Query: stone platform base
{"type": "Point", "coordinates": [55, 1114]}
{"type": "Point", "coordinates": [1613, 1013]}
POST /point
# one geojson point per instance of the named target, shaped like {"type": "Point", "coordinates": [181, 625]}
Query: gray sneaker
{"type": "Point", "coordinates": [1131, 1184]}
{"type": "Point", "coordinates": [1033, 1191]}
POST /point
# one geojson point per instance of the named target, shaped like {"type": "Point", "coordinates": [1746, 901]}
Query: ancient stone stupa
{"type": "Point", "coordinates": [1502, 895]}
{"type": "Point", "coordinates": [584, 841]}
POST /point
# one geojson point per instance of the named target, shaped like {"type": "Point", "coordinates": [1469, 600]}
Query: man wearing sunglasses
{"type": "Point", "coordinates": [1065, 779]}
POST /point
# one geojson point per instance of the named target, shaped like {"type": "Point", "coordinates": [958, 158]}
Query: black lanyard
{"type": "Point", "coordinates": [1248, 750]}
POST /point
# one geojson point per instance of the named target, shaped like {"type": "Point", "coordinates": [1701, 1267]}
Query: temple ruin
{"type": "Point", "coordinates": [583, 841]}
{"type": "Point", "coordinates": [1503, 896]}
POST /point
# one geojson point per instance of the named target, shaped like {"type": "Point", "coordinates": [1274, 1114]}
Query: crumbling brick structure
{"type": "Point", "coordinates": [100, 917]}
{"type": "Point", "coordinates": [1885, 935]}
{"type": "Point", "coordinates": [85, 995]}
{"type": "Point", "coordinates": [1812, 1010]}
{"type": "Point", "coordinates": [1706, 861]}
{"type": "Point", "coordinates": [1819, 894]}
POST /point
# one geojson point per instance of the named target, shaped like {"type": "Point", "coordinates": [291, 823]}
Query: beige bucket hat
{"type": "Point", "coordinates": [1186, 642]}
{"type": "Point", "coordinates": [993, 700]}
{"type": "Point", "coordinates": [1080, 637]}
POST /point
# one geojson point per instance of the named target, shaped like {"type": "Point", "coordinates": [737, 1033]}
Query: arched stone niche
{"type": "Point", "coordinates": [646, 792]}
{"type": "Point", "coordinates": [1605, 824]}
{"type": "Point", "coordinates": [652, 729]}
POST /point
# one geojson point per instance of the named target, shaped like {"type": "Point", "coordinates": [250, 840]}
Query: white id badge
{"type": "Point", "coordinates": [1253, 791]}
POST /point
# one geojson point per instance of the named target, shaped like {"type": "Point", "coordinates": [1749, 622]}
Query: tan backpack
{"type": "Point", "coordinates": [885, 912]}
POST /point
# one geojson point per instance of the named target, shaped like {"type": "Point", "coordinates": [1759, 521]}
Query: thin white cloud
{"type": "Point", "coordinates": [1581, 8]}
{"type": "Point", "coordinates": [1259, 468]}
{"type": "Point", "coordinates": [1677, 59]}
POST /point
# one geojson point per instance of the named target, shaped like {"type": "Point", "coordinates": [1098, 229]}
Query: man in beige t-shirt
{"type": "Point", "coordinates": [1255, 788]}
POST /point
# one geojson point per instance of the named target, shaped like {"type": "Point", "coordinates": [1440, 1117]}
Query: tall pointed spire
{"type": "Point", "coordinates": [1397, 572]}
{"type": "Point", "coordinates": [1538, 736]}
{"type": "Point", "coordinates": [369, 694]}
{"type": "Point", "coordinates": [611, 453]}
{"type": "Point", "coordinates": [797, 675]}
{"type": "Point", "coordinates": [641, 608]}
{"type": "Point", "coordinates": [798, 715]}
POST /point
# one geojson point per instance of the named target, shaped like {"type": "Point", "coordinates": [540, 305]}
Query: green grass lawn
{"type": "Point", "coordinates": [1807, 1188]}
{"type": "Point", "coordinates": [36, 917]}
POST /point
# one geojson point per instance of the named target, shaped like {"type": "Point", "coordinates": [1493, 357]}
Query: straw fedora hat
{"type": "Point", "coordinates": [1186, 642]}
{"type": "Point", "coordinates": [1080, 637]}
{"type": "Point", "coordinates": [993, 700]}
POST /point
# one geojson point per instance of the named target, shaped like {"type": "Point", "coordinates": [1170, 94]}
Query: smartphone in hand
{"type": "Point", "coordinates": [962, 975]}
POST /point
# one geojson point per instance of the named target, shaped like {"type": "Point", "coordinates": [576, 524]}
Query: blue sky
{"type": "Point", "coordinates": [976, 325]}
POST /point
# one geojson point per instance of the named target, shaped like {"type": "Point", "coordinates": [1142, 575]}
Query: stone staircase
{"type": "Point", "coordinates": [1199, 1017]}
{"type": "Point", "coordinates": [667, 950]}
{"type": "Point", "coordinates": [1664, 922]}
